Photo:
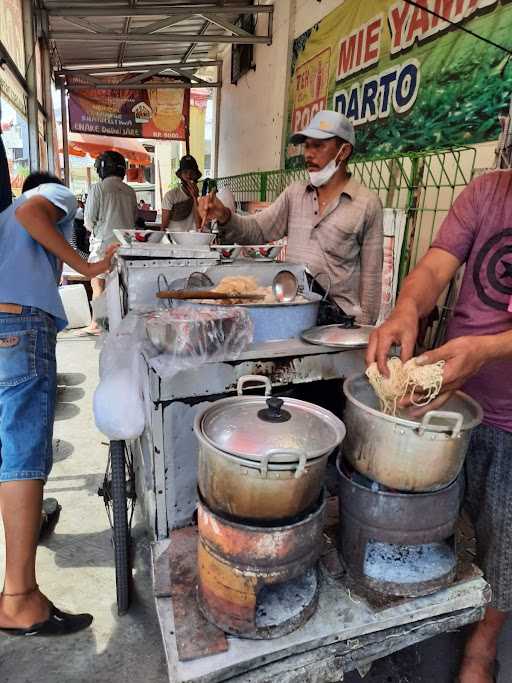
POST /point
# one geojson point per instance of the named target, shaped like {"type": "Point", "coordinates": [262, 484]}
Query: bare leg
{"type": "Point", "coordinates": [98, 287]}
{"type": "Point", "coordinates": [480, 651]}
{"type": "Point", "coordinates": [20, 504]}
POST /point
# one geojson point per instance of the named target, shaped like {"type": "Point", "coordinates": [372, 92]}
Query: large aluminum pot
{"type": "Point", "coordinates": [263, 459]}
{"type": "Point", "coordinates": [407, 454]}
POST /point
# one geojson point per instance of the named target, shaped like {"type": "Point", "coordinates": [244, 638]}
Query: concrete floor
{"type": "Point", "coordinates": [75, 566]}
{"type": "Point", "coordinates": [76, 571]}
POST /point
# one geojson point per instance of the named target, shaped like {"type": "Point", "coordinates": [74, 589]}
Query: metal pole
{"type": "Point", "coordinates": [218, 95]}
{"type": "Point", "coordinates": [48, 104]}
{"type": "Point", "coordinates": [65, 142]}
{"type": "Point", "coordinates": [29, 41]}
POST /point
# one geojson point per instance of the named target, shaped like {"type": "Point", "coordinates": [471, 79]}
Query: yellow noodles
{"type": "Point", "coordinates": [405, 378]}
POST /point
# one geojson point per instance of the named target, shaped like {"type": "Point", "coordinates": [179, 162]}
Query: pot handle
{"type": "Point", "coordinates": [445, 415]}
{"type": "Point", "coordinates": [256, 379]}
{"type": "Point", "coordinates": [299, 453]}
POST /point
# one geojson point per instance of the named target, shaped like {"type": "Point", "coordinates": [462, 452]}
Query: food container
{"type": "Point", "coordinates": [192, 239]}
{"type": "Point", "coordinates": [263, 459]}
{"type": "Point", "coordinates": [279, 321]}
{"type": "Point", "coordinates": [192, 332]}
{"type": "Point", "coordinates": [407, 454]}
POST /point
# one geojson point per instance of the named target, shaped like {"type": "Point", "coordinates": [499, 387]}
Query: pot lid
{"type": "Point", "coordinates": [254, 427]}
{"type": "Point", "coordinates": [339, 336]}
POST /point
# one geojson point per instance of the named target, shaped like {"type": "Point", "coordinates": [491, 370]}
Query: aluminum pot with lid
{"type": "Point", "coordinates": [405, 453]}
{"type": "Point", "coordinates": [262, 458]}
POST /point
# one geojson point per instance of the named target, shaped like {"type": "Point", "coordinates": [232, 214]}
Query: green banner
{"type": "Point", "coordinates": [407, 79]}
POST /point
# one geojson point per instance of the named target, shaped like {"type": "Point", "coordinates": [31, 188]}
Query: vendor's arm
{"type": "Point", "coordinates": [266, 226]}
{"type": "Point", "coordinates": [371, 265]}
{"type": "Point", "coordinates": [39, 216]}
{"type": "Point", "coordinates": [423, 287]}
{"type": "Point", "coordinates": [92, 209]}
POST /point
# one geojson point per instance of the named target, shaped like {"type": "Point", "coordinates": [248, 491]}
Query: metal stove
{"type": "Point", "coordinates": [395, 543]}
{"type": "Point", "coordinates": [258, 581]}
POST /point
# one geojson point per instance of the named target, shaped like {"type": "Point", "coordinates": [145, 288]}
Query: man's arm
{"type": "Point", "coordinates": [370, 290]}
{"type": "Point", "coordinates": [418, 296]}
{"type": "Point", "coordinates": [39, 216]}
{"type": "Point", "coordinates": [265, 226]}
{"type": "Point", "coordinates": [92, 209]}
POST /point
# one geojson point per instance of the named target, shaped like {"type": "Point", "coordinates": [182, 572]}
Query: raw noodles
{"type": "Point", "coordinates": [405, 379]}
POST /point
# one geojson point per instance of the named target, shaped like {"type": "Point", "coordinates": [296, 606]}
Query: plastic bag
{"type": "Point", "coordinates": [118, 403]}
{"type": "Point", "coordinates": [190, 335]}
{"type": "Point", "coordinates": [118, 406]}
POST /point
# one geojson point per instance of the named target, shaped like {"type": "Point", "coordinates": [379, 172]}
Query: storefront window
{"type": "Point", "coordinates": [13, 118]}
{"type": "Point", "coordinates": [11, 31]}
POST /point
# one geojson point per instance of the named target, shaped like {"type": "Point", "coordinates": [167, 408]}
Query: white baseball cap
{"type": "Point", "coordinates": [324, 125]}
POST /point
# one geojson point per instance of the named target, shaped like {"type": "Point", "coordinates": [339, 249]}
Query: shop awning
{"type": "Point", "coordinates": [93, 145]}
{"type": "Point", "coordinates": [147, 38]}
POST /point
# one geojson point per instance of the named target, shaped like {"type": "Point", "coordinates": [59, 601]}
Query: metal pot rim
{"type": "Point", "coordinates": [312, 298]}
{"type": "Point", "coordinates": [273, 465]}
{"type": "Point", "coordinates": [396, 494]}
{"type": "Point", "coordinates": [411, 424]}
{"type": "Point", "coordinates": [312, 455]}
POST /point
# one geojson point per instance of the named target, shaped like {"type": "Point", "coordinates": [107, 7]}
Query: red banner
{"type": "Point", "coordinates": [159, 113]}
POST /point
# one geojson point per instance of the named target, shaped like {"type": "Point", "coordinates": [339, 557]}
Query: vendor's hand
{"type": "Point", "coordinates": [103, 266]}
{"type": "Point", "coordinates": [190, 188]}
{"type": "Point", "coordinates": [211, 208]}
{"type": "Point", "coordinates": [463, 358]}
{"type": "Point", "coordinates": [400, 328]}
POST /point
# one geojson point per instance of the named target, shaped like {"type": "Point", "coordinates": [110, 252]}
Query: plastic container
{"type": "Point", "coordinates": [76, 305]}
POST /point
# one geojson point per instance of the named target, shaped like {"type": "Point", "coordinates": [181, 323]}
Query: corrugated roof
{"type": "Point", "coordinates": [115, 33]}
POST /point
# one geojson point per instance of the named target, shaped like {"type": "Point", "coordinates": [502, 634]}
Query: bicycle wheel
{"type": "Point", "coordinates": [118, 493]}
{"type": "Point", "coordinates": [120, 524]}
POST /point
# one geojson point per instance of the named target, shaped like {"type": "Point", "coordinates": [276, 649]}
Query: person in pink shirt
{"type": "Point", "coordinates": [478, 359]}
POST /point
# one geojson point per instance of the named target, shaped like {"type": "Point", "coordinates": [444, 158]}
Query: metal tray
{"type": "Point", "coordinates": [339, 337]}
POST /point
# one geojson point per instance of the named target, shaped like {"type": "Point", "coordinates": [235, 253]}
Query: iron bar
{"type": "Point", "coordinates": [166, 38]}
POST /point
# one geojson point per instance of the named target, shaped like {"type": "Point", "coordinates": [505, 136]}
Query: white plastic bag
{"type": "Point", "coordinates": [118, 406]}
{"type": "Point", "coordinates": [118, 401]}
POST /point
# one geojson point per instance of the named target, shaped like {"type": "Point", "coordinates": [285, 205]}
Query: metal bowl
{"type": "Point", "coordinates": [192, 239]}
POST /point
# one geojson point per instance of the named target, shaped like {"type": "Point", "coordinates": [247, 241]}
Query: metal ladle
{"type": "Point", "coordinates": [285, 286]}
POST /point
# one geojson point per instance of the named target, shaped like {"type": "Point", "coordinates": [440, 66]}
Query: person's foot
{"type": "Point", "coordinates": [49, 517]}
{"type": "Point", "coordinates": [477, 670]}
{"type": "Point", "coordinates": [21, 611]}
{"type": "Point", "coordinates": [33, 615]}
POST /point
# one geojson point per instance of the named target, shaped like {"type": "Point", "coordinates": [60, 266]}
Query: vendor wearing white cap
{"type": "Point", "coordinates": [333, 223]}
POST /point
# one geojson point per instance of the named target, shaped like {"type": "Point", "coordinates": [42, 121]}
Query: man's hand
{"type": "Point", "coordinates": [463, 358]}
{"type": "Point", "coordinates": [103, 266]}
{"type": "Point", "coordinates": [190, 188]}
{"type": "Point", "coordinates": [211, 208]}
{"type": "Point", "coordinates": [400, 328]}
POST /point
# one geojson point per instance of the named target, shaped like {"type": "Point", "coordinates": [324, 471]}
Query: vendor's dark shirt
{"type": "Point", "coordinates": [478, 232]}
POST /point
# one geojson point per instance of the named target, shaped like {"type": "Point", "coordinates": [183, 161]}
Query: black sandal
{"type": "Point", "coordinates": [58, 623]}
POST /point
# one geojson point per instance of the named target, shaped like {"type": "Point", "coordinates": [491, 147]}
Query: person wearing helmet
{"type": "Point", "coordinates": [333, 223]}
{"type": "Point", "coordinates": [179, 206]}
{"type": "Point", "coordinates": [111, 205]}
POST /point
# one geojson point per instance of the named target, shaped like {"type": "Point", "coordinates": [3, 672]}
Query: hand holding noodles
{"type": "Point", "coordinates": [405, 379]}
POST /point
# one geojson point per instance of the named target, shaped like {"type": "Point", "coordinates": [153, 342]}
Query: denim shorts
{"type": "Point", "coordinates": [28, 389]}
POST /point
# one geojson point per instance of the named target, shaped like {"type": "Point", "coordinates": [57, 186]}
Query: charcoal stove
{"type": "Point", "coordinates": [258, 581]}
{"type": "Point", "coordinates": [397, 543]}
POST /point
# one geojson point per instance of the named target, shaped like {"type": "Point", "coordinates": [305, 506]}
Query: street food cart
{"type": "Point", "coordinates": [324, 627]}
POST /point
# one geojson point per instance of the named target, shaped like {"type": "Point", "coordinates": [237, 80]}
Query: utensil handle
{"type": "Point", "coordinates": [205, 294]}
{"type": "Point", "coordinates": [255, 379]}
{"type": "Point", "coordinates": [297, 452]}
{"type": "Point", "coordinates": [443, 415]}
